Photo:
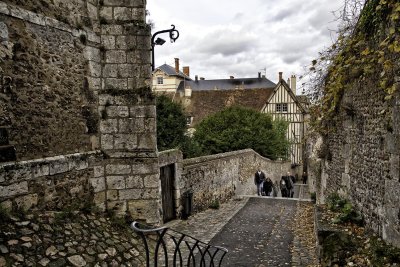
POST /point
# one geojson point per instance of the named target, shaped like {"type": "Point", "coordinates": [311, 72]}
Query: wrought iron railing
{"type": "Point", "coordinates": [167, 247]}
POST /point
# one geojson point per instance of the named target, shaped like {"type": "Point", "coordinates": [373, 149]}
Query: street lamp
{"type": "Point", "coordinates": [173, 35]}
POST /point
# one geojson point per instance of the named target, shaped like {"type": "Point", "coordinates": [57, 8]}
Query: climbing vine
{"type": "Point", "coordinates": [370, 50]}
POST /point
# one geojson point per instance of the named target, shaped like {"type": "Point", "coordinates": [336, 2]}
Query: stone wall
{"type": "Point", "coordinates": [49, 184]}
{"type": "Point", "coordinates": [361, 160]}
{"type": "Point", "coordinates": [75, 77]}
{"type": "Point", "coordinates": [222, 176]}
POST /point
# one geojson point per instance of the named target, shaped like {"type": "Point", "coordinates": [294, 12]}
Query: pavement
{"type": "Point", "coordinates": [259, 231]}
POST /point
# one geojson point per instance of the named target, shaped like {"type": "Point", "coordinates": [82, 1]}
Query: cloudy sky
{"type": "Point", "coordinates": [236, 38]}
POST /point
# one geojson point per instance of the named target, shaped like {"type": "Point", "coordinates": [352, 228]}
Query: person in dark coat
{"type": "Point", "coordinates": [259, 178]}
{"type": "Point", "coordinates": [304, 177]}
{"type": "Point", "coordinates": [267, 187]}
{"type": "Point", "coordinates": [283, 187]}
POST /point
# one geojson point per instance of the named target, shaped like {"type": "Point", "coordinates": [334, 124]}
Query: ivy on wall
{"type": "Point", "coordinates": [371, 52]}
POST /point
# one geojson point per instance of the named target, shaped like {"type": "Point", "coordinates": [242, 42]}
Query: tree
{"type": "Point", "coordinates": [236, 128]}
{"type": "Point", "coordinates": [171, 124]}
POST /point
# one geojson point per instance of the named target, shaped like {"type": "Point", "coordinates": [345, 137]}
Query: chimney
{"type": "Point", "coordinates": [288, 82]}
{"type": "Point", "coordinates": [177, 65]}
{"type": "Point", "coordinates": [196, 78]}
{"type": "Point", "coordinates": [259, 75]}
{"type": "Point", "coordinates": [186, 70]}
{"type": "Point", "coordinates": [280, 76]}
{"type": "Point", "coordinates": [231, 77]}
{"type": "Point", "coordinates": [293, 83]}
{"type": "Point", "coordinates": [202, 78]}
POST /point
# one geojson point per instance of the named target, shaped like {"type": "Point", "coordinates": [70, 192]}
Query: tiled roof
{"type": "Point", "coordinates": [170, 71]}
{"type": "Point", "coordinates": [227, 84]}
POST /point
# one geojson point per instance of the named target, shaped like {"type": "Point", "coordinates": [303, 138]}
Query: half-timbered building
{"type": "Point", "coordinates": [283, 103]}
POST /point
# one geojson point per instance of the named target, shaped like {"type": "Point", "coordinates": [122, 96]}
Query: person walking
{"type": "Point", "coordinates": [267, 187]}
{"type": "Point", "coordinates": [259, 178]}
{"type": "Point", "coordinates": [304, 177]}
{"type": "Point", "coordinates": [283, 187]}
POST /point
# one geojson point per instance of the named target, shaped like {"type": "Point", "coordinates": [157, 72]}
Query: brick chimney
{"type": "Point", "coordinates": [231, 77]}
{"type": "Point", "coordinates": [186, 71]}
{"type": "Point", "coordinates": [280, 76]}
{"type": "Point", "coordinates": [293, 83]}
{"type": "Point", "coordinates": [177, 65]}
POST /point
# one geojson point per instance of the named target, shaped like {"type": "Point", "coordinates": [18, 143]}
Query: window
{"type": "Point", "coordinates": [281, 107]}
{"type": "Point", "coordinates": [160, 80]}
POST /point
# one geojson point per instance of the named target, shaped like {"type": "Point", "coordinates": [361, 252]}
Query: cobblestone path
{"type": "Point", "coordinates": [258, 231]}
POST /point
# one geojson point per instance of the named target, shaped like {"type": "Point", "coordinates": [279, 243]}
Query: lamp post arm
{"type": "Point", "coordinates": [173, 35]}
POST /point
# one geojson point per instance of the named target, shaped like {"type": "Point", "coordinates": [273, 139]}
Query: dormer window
{"type": "Point", "coordinates": [281, 107]}
{"type": "Point", "coordinates": [160, 80]}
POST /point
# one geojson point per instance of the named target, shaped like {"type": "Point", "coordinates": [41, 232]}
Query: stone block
{"type": "Point", "coordinates": [27, 202]}
{"type": "Point", "coordinates": [133, 57]}
{"type": "Point", "coordinates": [115, 182]}
{"type": "Point", "coordinates": [116, 56]}
{"type": "Point", "coordinates": [134, 182]}
{"type": "Point", "coordinates": [118, 112]}
{"type": "Point", "coordinates": [125, 141]}
{"type": "Point", "coordinates": [127, 125]}
{"type": "Point", "coordinates": [14, 189]}
{"type": "Point", "coordinates": [126, 70]}
{"type": "Point", "coordinates": [147, 141]}
{"type": "Point", "coordinates": [147, 168]}
{"type": "Point", "coordinates": [109, 126]}
{"type": "Point", "coordinates": [130, 194]}
{"type": "Point", "coordinates": [99, 198]}
{"type": "Point", "coordinates": [113, 2]}
{"type": "Point", "coordinates": [92, 54]}
{"type": "Point", "coordinates": [137, 111]}
{"type": "Point", "coordinates": [110, 71]}
{"type": "Point", "coordinates": [150, 111]}
{"type": "Point", "coordinates": [138, 14]}
{"type": "Point", "coordinates": [152, 181]}
{"type": "Point", "coordinates": [93, 37]}
{"type": "Point", "coordinates": [139, 125]}
{"type": "Point", "coordinates": [106, 13]}
{"type": "Point", "coordinates": [57, 24]}
{"type": "Point", "coordinates": [94, 83]}
{"type": "Point", "coordinates": [132, 83]}
{"type": "Point", "coordinates": [3, 36]}
{"type": "Point", "coordinates": [92, 11]}
{"type": "Point", "coordinates": [112, 195]}
{"type": "Point", "coordinates": [59, 166]}
{"type": "Point", "coordinates": [98, 171]}
{"type": "Point", "coordinates": [147, 210]}
{"type": "Point", "coordinates": [107, 141]}
{"type": "Point", "coordinates": [118, 169]}
{"type": "Point", "coordinates": [108, 41]}
{"type": "Point", "coordinates": [105, 99]}
{"type": "Point", "coordinates": [150, 125]}
{"type": "Point", "coordinates": [94, 69]}
{"type": "Point", "coordinates": [115, 83]}
{"type": "Point", "coordinates": [122, 13]}
{"type": "Point", "coordinates": [121, 43]}
{"type": "Point", "coordinates": [111, 29]}
{"type": "Point", "coordinates": [4, 8]}
{"type": "Point", "coordinates": [118, 206]}
{"type": "Point", "coordinates": [98, 184]}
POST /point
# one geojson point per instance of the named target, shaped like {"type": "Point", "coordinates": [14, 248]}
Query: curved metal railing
{"type": "Point", "coordinates": [172, 248]}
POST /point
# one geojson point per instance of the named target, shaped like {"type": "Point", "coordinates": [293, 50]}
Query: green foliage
{"type": "Point", "coordinates": [237, 128]}
{"type": "Point", "coordinates": [214, 204]}
{"type": "Point", "coordinates": [347, 213]}
{"type": "Point", "coordinates": [171, 124]}
{"type": "Point", "coordinates": [383, 253]}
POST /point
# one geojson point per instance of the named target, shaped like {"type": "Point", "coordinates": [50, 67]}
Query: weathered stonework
{"type": "Point", "coordinates": [360, 158]}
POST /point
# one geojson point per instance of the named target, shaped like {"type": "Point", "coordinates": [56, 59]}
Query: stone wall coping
{"type": "Point", "coordinates": [41, 20]}
{"type": "Point", "coordinates": [62, 159]}
{"type": "Point", "coordinates": [170, 156]}
{"type": "Point", "coordinates": [201, 160]}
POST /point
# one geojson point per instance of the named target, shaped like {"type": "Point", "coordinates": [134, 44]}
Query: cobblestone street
{"type": "Point", "coordinates": [258, 231]}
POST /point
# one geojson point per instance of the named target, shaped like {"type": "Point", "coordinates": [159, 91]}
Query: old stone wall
{"type": "Point", "coordinates": [361, 158]}
{"type": "Point", "coordinates": [47, 103]}
{"type": "Point", "coordinates": [49, 184]}
{"type": "Point", "coordinates": [75, 77]}
{"type": "Point", "coordinates": [220, 177]}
